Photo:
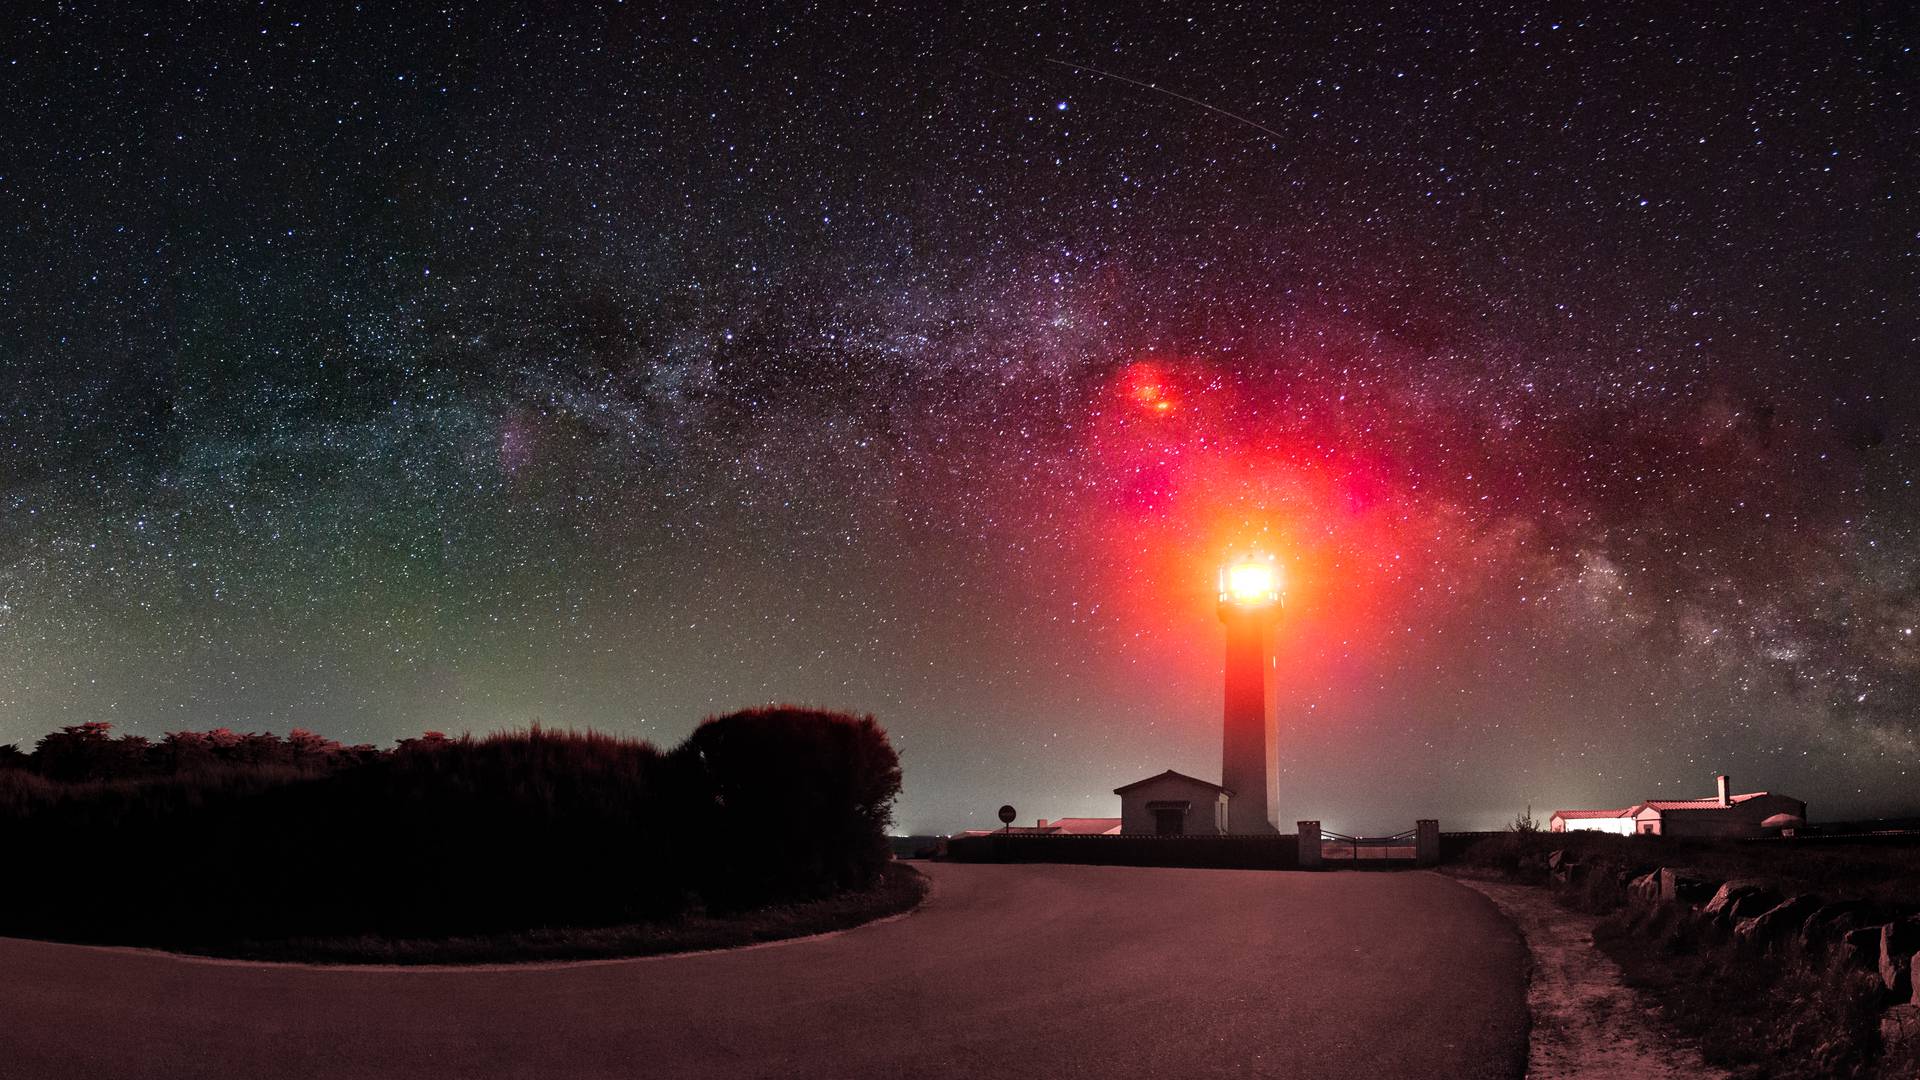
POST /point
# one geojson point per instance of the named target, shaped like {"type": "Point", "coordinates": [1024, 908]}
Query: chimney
{"type": "Point", "coordinates": [1726, 791]}
{"type": "Point", "coordinates": [1723, 792]}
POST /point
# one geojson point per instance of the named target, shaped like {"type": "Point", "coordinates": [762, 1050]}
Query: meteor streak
{"type": "Point", "coordinates": [1170, 93]}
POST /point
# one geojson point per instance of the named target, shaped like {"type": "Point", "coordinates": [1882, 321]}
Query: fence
{"type": "Point", "coordinates": [1883, 838]}
{"type": "Point", "coordinates": [1279, 852]}
{"type": "Point", "coordinates": [1455, 844]}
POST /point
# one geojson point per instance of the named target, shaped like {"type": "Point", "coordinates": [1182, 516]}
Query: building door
{"type": "Point", "coordinates": [1169, 821]}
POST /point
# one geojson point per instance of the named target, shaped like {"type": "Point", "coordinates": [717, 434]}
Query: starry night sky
{"type": "Point", "coordinates": [378, 368]}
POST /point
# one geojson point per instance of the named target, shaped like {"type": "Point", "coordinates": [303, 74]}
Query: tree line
{"type": "Point", "coordinates": [90, 751]}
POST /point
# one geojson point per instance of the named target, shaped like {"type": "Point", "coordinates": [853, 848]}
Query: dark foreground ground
{"type": "Point", "coordinates": [1005, 971]}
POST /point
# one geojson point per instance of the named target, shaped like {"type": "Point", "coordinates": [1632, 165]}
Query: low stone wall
{"type": "Point", "coordinates": [1455, 844]}
{"type": "Point", "coordinates": [1280, 852]}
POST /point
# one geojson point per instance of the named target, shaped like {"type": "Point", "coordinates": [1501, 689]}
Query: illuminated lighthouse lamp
{"type": "Point", "coordinates": [1250, 582]}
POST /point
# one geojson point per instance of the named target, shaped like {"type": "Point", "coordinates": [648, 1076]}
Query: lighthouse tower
{"type": "Point", "coordinates": [1249, 606]}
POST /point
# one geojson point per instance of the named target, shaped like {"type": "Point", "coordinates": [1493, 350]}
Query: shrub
{"type": "Point", "coordinates": [87, 752]}
{"type": "Point", "coordinates": [786, 802]}
{"type": "Point", "coordinates": [1518, 854]}
{"type": "Point", "coordinates": [513, 830]}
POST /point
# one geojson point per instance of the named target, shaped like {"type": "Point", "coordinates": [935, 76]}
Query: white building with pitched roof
{"type": "Point", "coordinates": [1173, 804]}
{"type": "Point", "coordinates": [1724, 814]}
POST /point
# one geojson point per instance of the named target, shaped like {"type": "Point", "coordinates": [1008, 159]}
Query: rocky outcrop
{"type": "Point", "coordinates": [1861, 947]}
{"type": "Point", "coordinates": [1776, 924]}
{"type": "Point", "coordinates": [1830, 923]}
{"type": "Point", "coordinates": [1565, 868]}
{"type": "Point", "coordinates": [1679, 884]}
{"type": "Point", "coordinates": [1850, 939]}
{"type": "Point", "coordinates": [1900, 1029]}
{"type": "Point", "coordinates": [1900, 1024]}
{"type": "Point", "coordinates": [1899, 941]}
{"type": "Point", "coordinates": [1736, 900]}
{"type": "Point", "coordinates": [1645, 889]}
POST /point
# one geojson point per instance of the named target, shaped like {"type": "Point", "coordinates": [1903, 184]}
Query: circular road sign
{"type": "Point", "coordinates": [1006, 815]}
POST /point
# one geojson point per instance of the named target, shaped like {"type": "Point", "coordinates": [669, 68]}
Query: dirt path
{"type": "Point", "coordinates": [1586, 1023]}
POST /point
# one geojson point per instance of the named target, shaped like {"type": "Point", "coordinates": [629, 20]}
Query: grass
{"type": "Point", "coordinates": [901, 888]}
{"type": "Point", "coordinates": [1789, 1015]}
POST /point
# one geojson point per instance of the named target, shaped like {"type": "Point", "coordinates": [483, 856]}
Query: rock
{"type": "Point", "coordinates": [1900, 1031]}
{"type": "Point", "coordinates": [1678, 884]}
{"type": "Point", "coordinates": [1570, 873]}
{"type": "Point", "coordinates": [1645, 889]}
{"type": "Point", "coordinates": [1861, 947]}
{"type": "Point", "coordinates": [1739, 899]}
{"type": "Point", "coordinates": [1899, 941]}
{"type": "Point", "coordinates": [1775, 924]}
{"type": "Point", "coordinates": [1830, 922]}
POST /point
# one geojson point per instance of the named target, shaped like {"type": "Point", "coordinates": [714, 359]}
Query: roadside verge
{"type": "Point", "coordinates": [901, 889]}
{"type": "Point", "coordinates": [1587, 1023]}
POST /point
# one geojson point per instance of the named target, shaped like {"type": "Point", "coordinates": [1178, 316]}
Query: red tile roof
{"type": "Point", "coordinates": [1709, 803]}
{"type": "Point", "coordinates": [1070, 826]}
{"type": "Point", "coordinates": [1085, 825]}
{"type": "Point", "coordinates": [1698, 804]}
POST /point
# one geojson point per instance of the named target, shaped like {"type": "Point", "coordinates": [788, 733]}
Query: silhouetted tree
{"type": "Point", "coordinates": [81, 752]}
{"type": "Point", "coordinates": [1524, 822]}
{"type": "Point", "coordinates": [308, 749]}
{"type": "Point", "coordinates": [184, 751]}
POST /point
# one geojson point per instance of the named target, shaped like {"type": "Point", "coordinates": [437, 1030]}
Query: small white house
{"type": "Point", "coordinates": [1173, 804]}
{"type": "Point", "coordinates": [1618, 821]}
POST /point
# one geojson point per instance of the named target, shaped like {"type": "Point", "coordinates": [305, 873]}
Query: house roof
{"type": "Point", "coordinates": [1072, 826]}
{"type": "Point", "coordinates": [1014, 830]}
{"type": "Point", "coordinates": [1661, 805]}
{"type": "Point", "coordinates": [1698, 804]}
{"type": "Point", "coordinates": [1084, 825]}
{"type": "Point", "coordinates": [1124, 788]}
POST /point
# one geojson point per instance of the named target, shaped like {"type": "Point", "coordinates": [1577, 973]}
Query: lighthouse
{"type": "Point", "coordinates": [1250, 606]}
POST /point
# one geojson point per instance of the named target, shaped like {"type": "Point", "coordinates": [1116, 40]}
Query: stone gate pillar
{"type": "Point", "coordinates": [1310, 845]}
{"type": "Point", "coordinates": [1426, 842]}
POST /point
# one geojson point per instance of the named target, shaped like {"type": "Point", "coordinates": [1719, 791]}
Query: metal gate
{"type": "Point", "coordinates": [1369, 852]}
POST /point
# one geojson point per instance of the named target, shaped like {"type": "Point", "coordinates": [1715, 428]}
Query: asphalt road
{"type": "Point", "coordinates": [1007, 971]}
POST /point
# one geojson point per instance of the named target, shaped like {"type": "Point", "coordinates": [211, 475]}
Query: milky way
{"type": "Point", "coordinates": [399, 369]}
